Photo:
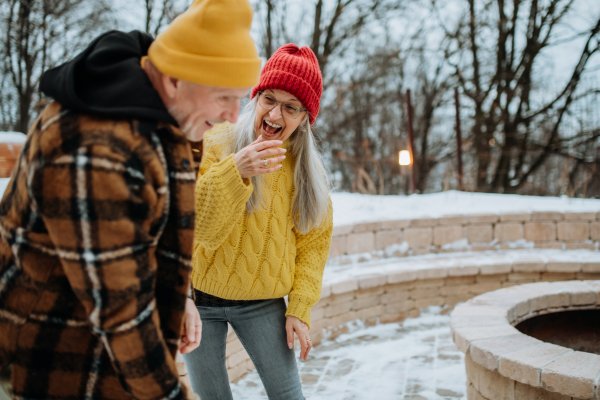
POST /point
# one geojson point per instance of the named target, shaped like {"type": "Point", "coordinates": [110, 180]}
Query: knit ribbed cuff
{"type": "Point", "coordinates": [227, 173]}
{"type": "Point", "coordinates": [300, 309]}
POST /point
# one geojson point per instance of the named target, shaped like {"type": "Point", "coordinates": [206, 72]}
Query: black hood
{"type": "Point", "coordinates": [106, 79]}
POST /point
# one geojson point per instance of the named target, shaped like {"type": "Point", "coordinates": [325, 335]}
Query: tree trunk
{"type": "Point", "coordinates": [269, 38]}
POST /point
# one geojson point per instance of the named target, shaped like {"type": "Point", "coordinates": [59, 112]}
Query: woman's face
{"type": "Point", "coordinates": [272, 124]}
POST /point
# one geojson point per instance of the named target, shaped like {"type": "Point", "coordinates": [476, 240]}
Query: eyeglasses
{"type": "Point", "coordinates": [288, 110]}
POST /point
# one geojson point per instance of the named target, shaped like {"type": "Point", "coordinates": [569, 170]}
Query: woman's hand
{"type": "Point", "coordinates": [251, 160]}
{"type": "Point", "coordinates": [293, 324]}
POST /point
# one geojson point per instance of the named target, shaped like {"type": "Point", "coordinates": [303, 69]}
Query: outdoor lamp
{"type": "Point", "coordinates": [405, 157]}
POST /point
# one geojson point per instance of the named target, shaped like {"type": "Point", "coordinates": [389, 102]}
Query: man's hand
{"type": "Point", "coordinates": [294, 325]}
{"type": "Point", "coordinates": [192, 328]}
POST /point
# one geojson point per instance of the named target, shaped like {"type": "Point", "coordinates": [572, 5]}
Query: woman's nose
{"type": "Point", "coordinates": [275, 112]}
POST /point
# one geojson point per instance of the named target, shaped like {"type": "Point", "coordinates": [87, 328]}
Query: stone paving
{"type": "Point", "coordinates": [415, 360]}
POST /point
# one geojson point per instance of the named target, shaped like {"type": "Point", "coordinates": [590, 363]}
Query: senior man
{"type": "Point", "coordinates": [97, 221]}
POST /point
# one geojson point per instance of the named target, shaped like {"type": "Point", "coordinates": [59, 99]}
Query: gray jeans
{"type": "Point", "coordinates": [261, 329]}
{"type": "Point", "coordinates": [5, 386]}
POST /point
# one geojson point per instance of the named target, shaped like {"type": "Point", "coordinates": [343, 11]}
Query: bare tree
{"type": "Point", "coordinates": [7, 116]}
{"type": "Point", "coordinates": [159, 13]}
{"type": "Point", "coordinates": [269, 33]}
{"type": "Point", "coordinates": [364, 125]}
{"type": "Point", "coordinates": [432, 82]}
{"type": "Point", "coordinates": [331, 28]}
{"type": "Point", "coordinates": [277, 27]}
{"type": "Point", "coordinates": [515, 133]}
{"type": "Point", "coordinates": [335, 28]}
{"type": "Point", "coordinates": [518, 127]}
{"type": "Point", "coordinates": [38, 34]}
{"type": "Point", "coordinates": [327, 27]}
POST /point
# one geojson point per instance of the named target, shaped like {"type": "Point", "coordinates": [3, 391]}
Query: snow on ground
{"type": "Point", "coordinates": [12, 137]}
{"type": "Point", "coordinates": [351, 208]}
{"type": "Point", "coordinates": [3, 184]}
{"type": "Point", "coordinates": [413, 360]}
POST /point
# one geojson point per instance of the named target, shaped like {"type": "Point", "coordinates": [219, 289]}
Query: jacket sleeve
{"type": "Point", "coordinates": [100, 213]}
{"type": "Point", "coordinates": [312, 250]}
{"type": "Point", "coordinates": [221, 196]}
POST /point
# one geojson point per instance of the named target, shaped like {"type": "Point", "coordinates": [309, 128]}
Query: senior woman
{"type": "Point", "coordinates": [263, 230]}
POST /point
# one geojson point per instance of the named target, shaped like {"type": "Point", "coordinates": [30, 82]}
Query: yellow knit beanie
{"type": "Point", "coordinates": [209, 44]}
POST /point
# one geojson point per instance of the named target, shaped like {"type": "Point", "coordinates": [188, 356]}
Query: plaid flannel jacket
{"type": "Point", "coordinates": [95, 256]}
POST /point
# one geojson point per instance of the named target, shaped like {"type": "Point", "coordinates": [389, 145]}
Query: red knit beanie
{"type": "Point", "coordinates": [296, 71]}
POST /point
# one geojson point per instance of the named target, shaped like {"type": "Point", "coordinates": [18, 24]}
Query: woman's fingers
{"type": "Point", "coordinates": [260, 146]}
{"type": "Point", "coordinates": [289, 329]}
{"type": "Point", "coordinates": [266, 166]}
{"type": "Point", "coordinates": [304, 339]}
{"type": "Point", "coordinates": [271, 152]}
{"type": "Point", "coordinates": [294, 324]}
{"type": "Point", "coordinates": [198, 331]}
{"type": "Point", "coordinates": [305, 343]}
{"type": "Point", "coordinates": [250, 160]}
{"type": "Point", "coordinates": [303, 348]}
{"type": "Point", "coordinates": [262, 163]}
{"type": "Point", "coordinates": [263, 171]}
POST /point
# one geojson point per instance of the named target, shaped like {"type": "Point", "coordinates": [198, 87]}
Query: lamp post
{"type": "Point", "coordinates": [411, 145]}
{"type": "Point", "coordinates": [459, 165]}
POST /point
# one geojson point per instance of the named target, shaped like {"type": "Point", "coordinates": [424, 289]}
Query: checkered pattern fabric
{"type": "Point", "coordinates": [95, 255]}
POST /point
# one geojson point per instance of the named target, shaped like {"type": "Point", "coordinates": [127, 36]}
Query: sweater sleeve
{"type": "Point", "coordinates": [312, 250]}
{"type": "Point", "coordinates": [221, 196]}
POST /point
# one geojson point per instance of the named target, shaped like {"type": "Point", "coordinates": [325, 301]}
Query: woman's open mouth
{"type": "Point", "coordinates": [271, 129]}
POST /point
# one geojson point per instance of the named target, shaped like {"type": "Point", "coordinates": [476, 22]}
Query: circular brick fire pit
{"type": "Point", "coordinates": [504, 363]}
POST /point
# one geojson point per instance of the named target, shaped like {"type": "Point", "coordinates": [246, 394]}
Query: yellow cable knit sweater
{"type": "Point", "coordinates": [261, 256]}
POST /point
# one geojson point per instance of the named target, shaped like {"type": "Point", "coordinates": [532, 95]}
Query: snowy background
{"type": "Point", "coordinates": [351, 208]}
{"type": "Point", "coordinates": [414, 360]}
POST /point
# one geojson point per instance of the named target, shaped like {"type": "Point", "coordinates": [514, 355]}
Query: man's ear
{"type": "Point", "coordinates": [171, 85]}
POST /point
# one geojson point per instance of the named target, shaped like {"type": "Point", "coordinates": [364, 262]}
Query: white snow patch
{"type": "Point", "coordinates": [352, 208]}
{"type": "Point", "coordinates": [395, 249]}
{"type": "Point", "coordinates": [3, 185]}
{"type": "Point", "coordinates": [521, 244]}
{"type": "Point", "coordinates": [12, 137]}
{"type": "Point", "coordinates": [458, 245]}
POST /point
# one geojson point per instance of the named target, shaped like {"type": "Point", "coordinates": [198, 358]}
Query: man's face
{"type": "Point", "coordinates": [197, 108]}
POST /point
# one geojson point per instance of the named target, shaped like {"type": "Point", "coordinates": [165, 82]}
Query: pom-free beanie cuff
{"type": "Point", "coordinates": [291, 83]}
{"type": "Point", "coordinates": [205, 70]}
{"type": "Point", "coordinates": [294, 70]}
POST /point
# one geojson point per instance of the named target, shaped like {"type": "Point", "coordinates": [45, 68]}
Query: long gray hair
{"type": "Point", "coordinates": [311, 198]}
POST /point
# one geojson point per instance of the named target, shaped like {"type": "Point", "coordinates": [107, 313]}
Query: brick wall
{"type": "Point", "coordinates": [470, 232]}
{"type": "Point", "coordinates": [401, 293]}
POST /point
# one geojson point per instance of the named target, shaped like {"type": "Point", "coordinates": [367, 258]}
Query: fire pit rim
{"type": "Point", "coordinates": [484, 329]}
